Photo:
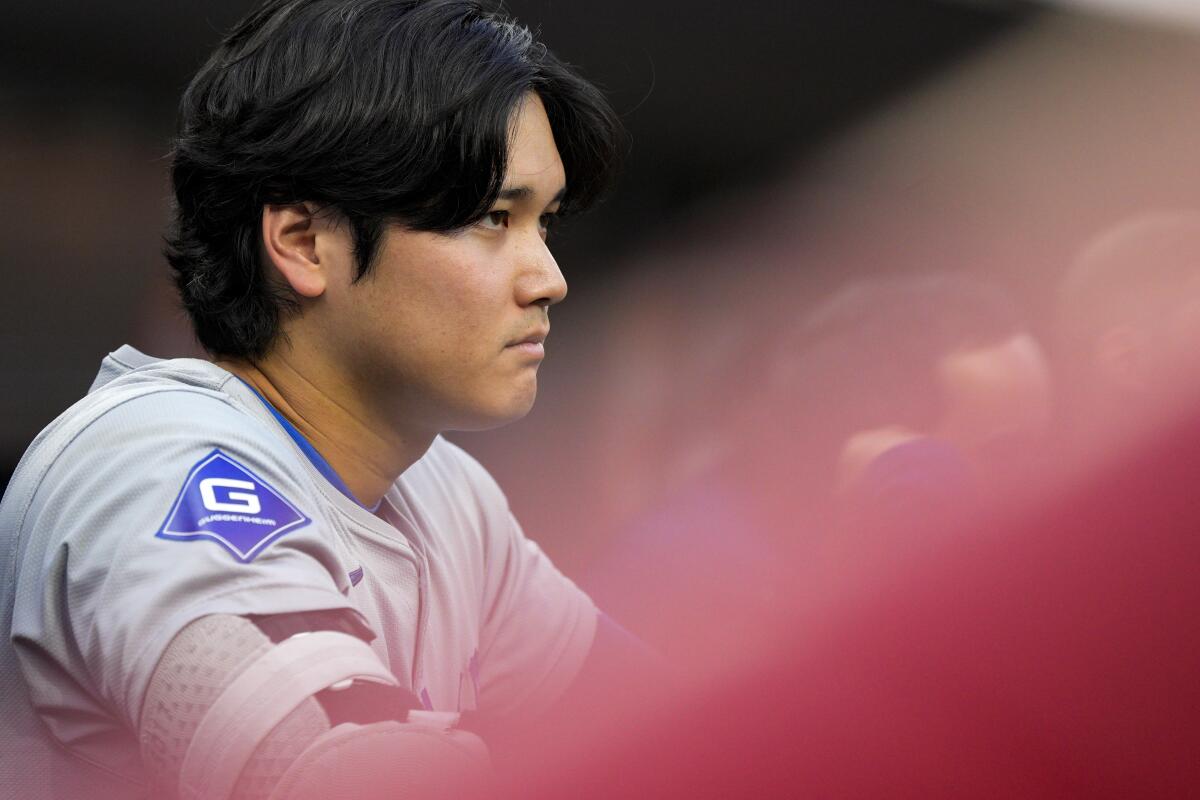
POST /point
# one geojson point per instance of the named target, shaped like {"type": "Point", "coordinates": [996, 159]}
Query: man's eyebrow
{"type": "Point", "coordinates": [523, 193]}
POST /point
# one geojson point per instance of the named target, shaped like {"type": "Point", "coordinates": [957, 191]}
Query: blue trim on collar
{"type": "Point", "coordinates": [306, 447]}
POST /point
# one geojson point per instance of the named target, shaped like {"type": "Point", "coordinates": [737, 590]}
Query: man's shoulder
{"type": "Point", "coordinates": [184, 394]}
{"type": "Point", "coordinates": [137, 413]}
{"type": "Point", "coordinates": [157, 455]}
{"type": "Point", "coordinates": [128, 366]}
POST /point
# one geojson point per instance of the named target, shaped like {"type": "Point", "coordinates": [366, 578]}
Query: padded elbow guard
{"type": "Point", "coordinates": [230, 714]}
{"type": "Point", "coordinates": [387, 760]}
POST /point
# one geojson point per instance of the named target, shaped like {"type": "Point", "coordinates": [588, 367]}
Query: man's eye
{"type": "Point", "coordinates": [495, 219]}
{"type": "Point", "coordinates": [547, 221]}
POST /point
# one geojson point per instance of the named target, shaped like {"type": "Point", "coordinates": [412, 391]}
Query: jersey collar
{"type": "Point", "coordinates": [315, 458]}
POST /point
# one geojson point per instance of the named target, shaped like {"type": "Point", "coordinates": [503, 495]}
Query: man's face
{"type": "Point", "coordinates": [446, 329]}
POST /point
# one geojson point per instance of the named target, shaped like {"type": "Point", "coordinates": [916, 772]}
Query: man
{"type": "Point", "coordinates": [266, 574]}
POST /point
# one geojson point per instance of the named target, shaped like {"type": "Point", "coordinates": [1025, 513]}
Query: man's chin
{"type": "Point", "coordinates": [496, 415]}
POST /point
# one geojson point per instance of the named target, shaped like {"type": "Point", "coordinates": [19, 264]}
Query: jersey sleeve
{"type": "Point", "coordinates": [537, 626]}
{"type": "Point", "coordinates": [170, 507]}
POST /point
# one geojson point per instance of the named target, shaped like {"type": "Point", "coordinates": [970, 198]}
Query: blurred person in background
{"type": "Point", "coordinates": [1129, 331]}
{"type": "Point", "coordinates": [919, 392]}
{"type": "Point", "coordinates": [913, 391]}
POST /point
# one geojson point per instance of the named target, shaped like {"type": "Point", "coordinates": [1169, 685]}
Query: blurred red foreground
{"type": "Point", "coordinates": [1053, 652]}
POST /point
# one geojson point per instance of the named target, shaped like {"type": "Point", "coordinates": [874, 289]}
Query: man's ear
{"type": "Point", "coordinates": [289, 235]}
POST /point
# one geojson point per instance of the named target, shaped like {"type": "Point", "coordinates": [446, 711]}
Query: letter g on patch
{"type": "Point", "coordinates": [249, 502]}
{"type": "Point", "coordinates": [224, 501]}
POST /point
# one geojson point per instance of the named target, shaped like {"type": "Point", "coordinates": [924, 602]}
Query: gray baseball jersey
{"type": "Point", "coordinates": [172, 491]}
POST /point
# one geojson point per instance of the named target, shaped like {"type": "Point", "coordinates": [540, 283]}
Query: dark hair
{"type": "Point", "coordinates": [381, 110]}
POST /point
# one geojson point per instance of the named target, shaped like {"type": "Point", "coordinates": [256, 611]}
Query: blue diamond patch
{"type": "Point", "coordinates": [226, 502]}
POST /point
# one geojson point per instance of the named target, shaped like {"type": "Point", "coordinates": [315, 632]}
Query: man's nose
{"type": "Point", "coordinates": [541, 282]}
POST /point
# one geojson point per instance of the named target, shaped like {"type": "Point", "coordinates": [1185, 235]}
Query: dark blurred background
{"type": "Point", "coordinates": [775, 147]}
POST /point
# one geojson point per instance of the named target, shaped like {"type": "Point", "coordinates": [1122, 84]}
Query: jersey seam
{"type": "Point", "coordinates": [128, 366]}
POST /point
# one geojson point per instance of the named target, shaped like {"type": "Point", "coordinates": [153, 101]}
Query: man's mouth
{"type": "Point", "coordinates": [533, 343]}
{"type": "Point", "coordinates": [537, 336]}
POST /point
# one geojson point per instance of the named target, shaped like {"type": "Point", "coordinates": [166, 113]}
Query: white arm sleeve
{"type": "Point", "coordinates": [231, 716]}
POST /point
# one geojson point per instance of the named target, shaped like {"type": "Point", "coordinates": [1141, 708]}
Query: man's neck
{"type": "Point", "coordinates": [365, 451]}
